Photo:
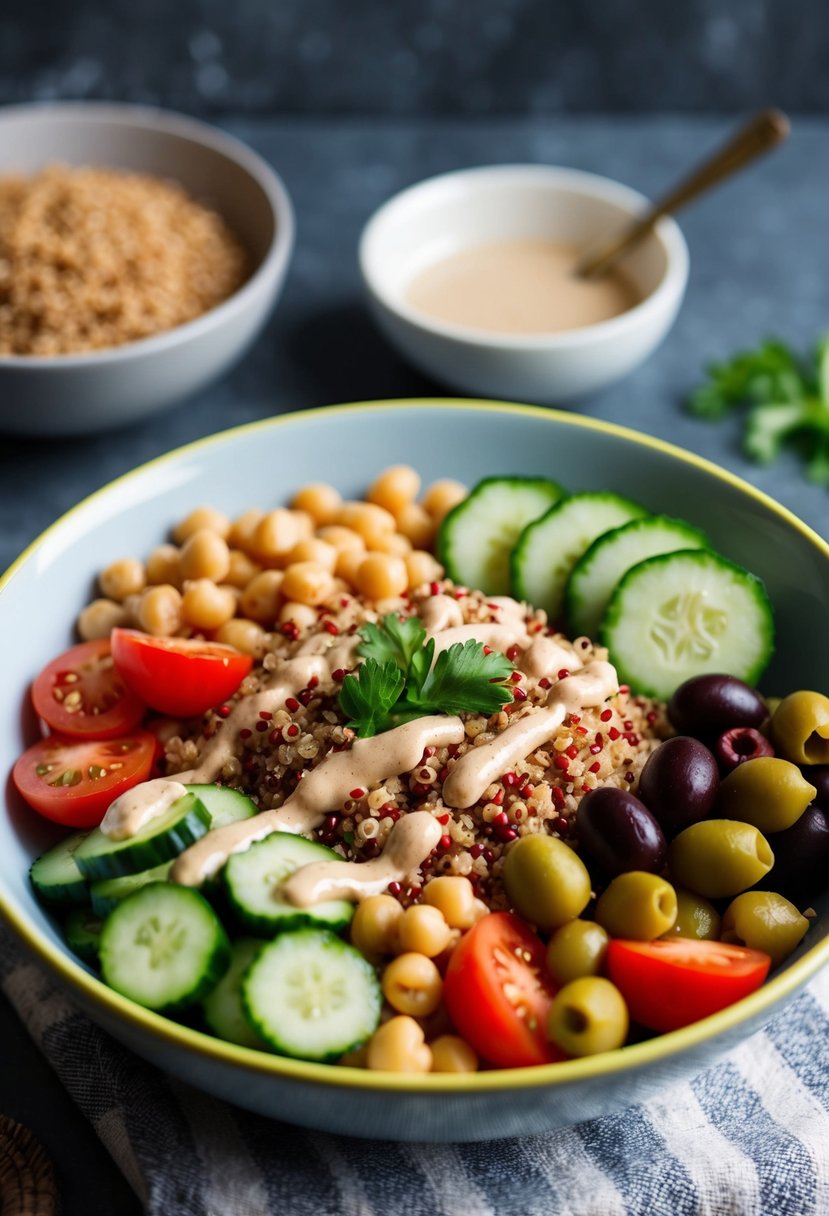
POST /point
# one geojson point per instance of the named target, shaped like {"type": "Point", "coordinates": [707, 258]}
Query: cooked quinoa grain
{"type": "Point", "coordinates": [92, 258]}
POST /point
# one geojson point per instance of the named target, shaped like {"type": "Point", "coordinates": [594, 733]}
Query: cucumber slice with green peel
{"type": "Point", "coordinates": [107, 893]}
{"type": "Point", "coordinates": [312, 996]}
{"type": "Point", "coordinates": [684, 614]}
{"type": "Point", "coordinates": [549, 547]}
{"type": "Point", "coordinates": [160, 839]}
{"type": "Point", "coordinates": [595, 575]}
{"type": "Point", "coordinates": [164, 947]}
{"type": "Point", "coordinates": [224, 805]}
{"type": "Point", "coordinates": [82, 933]}
{"type": "Point", "coordinates": [476, 538]}
{"type": "Point", "coordinates": [252, 880]}
{"type": "Point", "coordinates": [55, 875]}
{"type": "Point", "coordinates": [223, 1009]}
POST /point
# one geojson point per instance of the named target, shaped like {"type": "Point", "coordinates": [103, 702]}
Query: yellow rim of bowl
{"type": "Point", "coordinates": [626, 1059]}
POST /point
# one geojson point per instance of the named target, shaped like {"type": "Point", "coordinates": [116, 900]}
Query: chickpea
{"type": "Point", "coordinates": [344, 540]}
{"type": "Point", "coordinates": [395, 543]}
{"type": "Point", "coordinates": [375, 924]}
{"type": "Point", "coordinates": [261, 598]}
{"type": "Point", "coordinates": [319, 500]}
{"type": "Point", "coordinates": [307, 583]}
{"type": "Point", "coordinates": [348, 564]}
{"type": "Point", "coordinates": [417, 524]}
{"type": "Point", "coordinates": [302, 615]}
{"type": "Point", "coordinates": [159, 611]}
{"type": "Point", "coordinates": [243, 530]}
{"type": "Point", "coordinates": [412, 984]}
{"type": "Point", "coordinates": [275, 535]}
{"type": "Point", "coordinates": [381, 576]}
{"type": "Point", "coordinates": [423, 930]}
{"type": "Point", "coordinates": [454, 897]}
{"type": "Point", "coordinates": [451, 1053]}
{"type": "Point", "coordinates": [205, 555]}
{"type": "Point", "coordinates": [242, 569]}
{"type": "Point", "coordinates": [163, 566]}
{"type": "Point", "coordinates": [98, 619]}
{"type": "Point", "coordinates": [395, 488]}
{"type": "Point", "coordinates": [202, 517]}
{"type": "Point", "coordinates": [122, 578]}
{"type": "Point", "coordinates": [367, 519]}
{"type": "Point", "coordinates": [312, 549]}
{"type": "Point", "coordinates": [442, 496]}
{"type": "Point", "coordinates": [398, 1046]}
{"type": "Point", "coordinates": [422, 568]}
{"type": "Point", "coordinates": [206, 606]}
{"type": "Point", "coordinates": [243, 635]}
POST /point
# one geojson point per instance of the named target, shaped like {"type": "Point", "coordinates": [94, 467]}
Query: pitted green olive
{"type": "Point", "coordinates": [696, 918]}
{"type": "Point", "coordinates": [800, 727]}
{"type": "Point", "coordinates": [768, 792]}
{"type": "Point", "coordinates": [637, 905]}
{"type": "Point", "coordinates": [764, 921]}
{"type": "Point", "coordinates": [719, 857]}
{"type": "Point", "coordinates": [546, 881]}
{"type": "Point", "coordinates": [587, 1016]}
{"type": "Point", "coordinates": [575, 950]}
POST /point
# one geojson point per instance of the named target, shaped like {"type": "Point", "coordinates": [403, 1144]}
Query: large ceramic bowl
{"type": "Point", "coordinates": [98, 390]}
{"type": "Point", "coordinates": [264, 463]}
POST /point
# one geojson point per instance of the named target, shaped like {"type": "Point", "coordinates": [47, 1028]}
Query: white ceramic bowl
{"type": "Point", "coordinates": [72, 394]}
{"type": "Point", "coordinates": [441, 216]}
{"type": "Point", "coordinates": [264, 464]}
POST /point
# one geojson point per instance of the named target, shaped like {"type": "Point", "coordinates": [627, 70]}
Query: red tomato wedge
{"type": "Point", "coordinates": [73, 781]}
{"type": "Point", "coordinates": [81, 694]}
{"type": "Point", "coordinates": [178, 676]}
{"type": "Point", "coordinates": [669, 984]}
{"type": "Point", "coordinates": [498, 993]}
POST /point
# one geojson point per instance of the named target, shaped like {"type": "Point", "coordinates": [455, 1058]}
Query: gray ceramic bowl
{"type": "Point", "coordinates": [265, 463]}
{"type": "Point", "coordinates": [73, 394]}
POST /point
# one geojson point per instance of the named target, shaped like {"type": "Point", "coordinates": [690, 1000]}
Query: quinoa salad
{"type": "Point", "coordinates": [354, 782]}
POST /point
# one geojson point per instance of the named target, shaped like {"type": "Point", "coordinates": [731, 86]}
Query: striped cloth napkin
{"type": "Point", "coordinates": [749, 1137]}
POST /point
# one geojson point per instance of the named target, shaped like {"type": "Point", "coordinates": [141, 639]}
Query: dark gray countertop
{"type": "Point", "coordinates": [759, 266]}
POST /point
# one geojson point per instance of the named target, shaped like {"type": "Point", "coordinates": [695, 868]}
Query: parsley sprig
{"type": "Point", "coordinates": [398, 681]}
{"type": "Point", "coordinates": [787, 400]}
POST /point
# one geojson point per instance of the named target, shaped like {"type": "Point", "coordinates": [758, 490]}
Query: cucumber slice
{"type": "Point", "coordinates": [107, 893]}
{"type": "Point", "coordinates": [476, 538]}
{"type": "Point", "coordinates": [82, 932]}
{"type": "Point", "coordinates": [224, 805]}
{"type": "Point", "coordinates": [684, 614]}
{"type": "Point", "coordinates": [549, 547]}
{"type": "Point", "coordinates": [223, 1010]}
{"type": "Point", "coordinates": [252, 879]}
{"type": "Point", "coordinates": [164, 947]}
{"type": "Point", "coordinates": [312, 996]}
{"type": "Point", "coordinates": [595, 575]}
{"type": "Point", "coordinates": [55, 875]}
{"type": "Point", "coordinates": [160, 839]}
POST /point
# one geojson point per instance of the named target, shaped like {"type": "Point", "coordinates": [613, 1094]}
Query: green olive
{"type": "Point", "coordinates": [637, 905]}
{"type": "Point", "coordinates": [587, 1016]}
{"type": "Point", "coordinates": [764, 921]}
{"type": "Point", "coordinates": [800, 727]}
{"type": "Point", "coordinates": [768, 792]}
{"type": "Point", "coordinates": [546, 881]}
{"type": "Point", "coordinates": [575, 950]}
{"type": "Point", "coordinates": [695, 918]}
{"type": "Point", "coordinates": [719, 857]}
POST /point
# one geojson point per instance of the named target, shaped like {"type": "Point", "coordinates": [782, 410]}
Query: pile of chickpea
{"type": "Point", "coordinates": [419, 940]}
{"type": "Point", "coordinates": [234, 580]}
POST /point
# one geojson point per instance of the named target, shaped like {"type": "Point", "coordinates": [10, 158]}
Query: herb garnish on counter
{"type": "Point", "coordinates": [398, 682]}
{"type": "Point", "coordinates": [787, 400]}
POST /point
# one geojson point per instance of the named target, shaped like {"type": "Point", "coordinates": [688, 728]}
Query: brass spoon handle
{"type": "Point", "coordinates": [759, 135]}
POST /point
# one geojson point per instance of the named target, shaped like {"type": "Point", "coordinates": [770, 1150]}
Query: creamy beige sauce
{"type": "Point", "coordinates": [547, 657]}
{"type": "Point", "coordinates": [519, 287]}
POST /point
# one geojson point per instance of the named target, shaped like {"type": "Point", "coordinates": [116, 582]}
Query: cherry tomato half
{"type": "Point", "coordinates": [498, 993]}
{"type": "Point", "coordinates": [81, 694]}
{"type": "Point", "coordinates": [178, 676]}
{"type": "Point", "coordinates": [669, 984]}
{"type": "Point", "coordinates": [73, 781]}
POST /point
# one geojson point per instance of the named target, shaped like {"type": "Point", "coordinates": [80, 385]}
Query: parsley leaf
{"type": "Point", "coordinates": [398, 682]}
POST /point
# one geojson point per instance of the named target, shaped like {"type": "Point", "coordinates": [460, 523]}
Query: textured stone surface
{"type": "Point", "coordinates": [421, 56]}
